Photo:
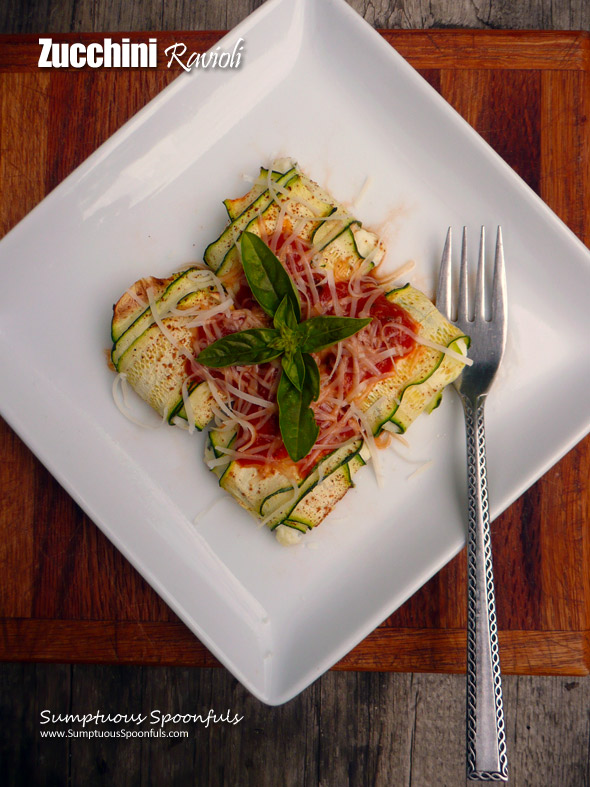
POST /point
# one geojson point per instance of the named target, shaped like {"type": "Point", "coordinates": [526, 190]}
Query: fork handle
{"type": "Point", "coordinates": [486, 740]}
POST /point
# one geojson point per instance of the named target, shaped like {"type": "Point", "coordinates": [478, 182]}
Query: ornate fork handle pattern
{"type": "Point", "coordinates": [486, 739]}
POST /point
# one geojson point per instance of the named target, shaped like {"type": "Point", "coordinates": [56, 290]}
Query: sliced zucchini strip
{"type": "Point", "coordinates": [201, 405]}
{"type": "Point", "coordinates": [313, 507]}
{"type": "Point", "coordinates": [419, 377]}
{"type": "Point", "coordinates": [237, 206]}
{"type": "Point", "coordinates": [217, 439]}
{"type": "Point", "coordinates": [339, 243]}
{"type": "Point", "coordinates": [179, 286]}
{"type": "Point", "coordinates": [306, 208]}
{"type": "Point", "coordinates": [156, 367]}
{"type": "Point", "coordinates": [267, 493]}
{"type": "Point", "coordinates": [128, 309]}
{"type": "Point", "coordinates": [216, 252]}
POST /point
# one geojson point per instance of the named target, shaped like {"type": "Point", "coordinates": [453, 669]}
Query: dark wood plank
{"type": "Point", "coordinates": [520, 602]}
{"type": "Point", "coordinates": [344, 759]}
{"type": "Point", "coordinates": [23, 104]}
{"type": "Point", "coordinates": [484, 49]}
{"type": "Point", "coordinates": [357, 729]}
{"type": "Point", "coordinates": [71, 142]}
{"type": "Point", "coordinates": [565, 15]}
{"type": "Point", "coordinates": [26, 691]}
{"type": "Point", "coordinates": [66, 555]}
{"type": "Point", "coordinates": [549, 732]}
{"type": "Point", "coordinates": [443, 650]}
{"type": "Point", "coordinates": [112, 761]}
{"type": "Point", "coordinates": [72, 15]}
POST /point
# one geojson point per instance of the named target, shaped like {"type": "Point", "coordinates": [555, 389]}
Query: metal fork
{"type": "Point", "coordinates": [486, 740]}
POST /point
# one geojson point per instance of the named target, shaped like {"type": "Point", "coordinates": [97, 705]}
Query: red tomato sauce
{"type": "Point", "coordinates": [389, 314]}
{"type": "Point", "coordinates": [265, 436]}
{"type": "Point", "coordinates": [383, 310]}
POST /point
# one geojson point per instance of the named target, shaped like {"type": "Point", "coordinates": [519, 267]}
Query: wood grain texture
{"type": "Point", "coordinates": [565, 118]}
{"type": "Point", "coordinates": [425, 649]}
{"type": "Point", "coordinates": [71, 595]}
{"type": "Point", "coordinates": [67, 16]}
{"type": "Point", "coordinates": [359, 729]}
{"type": "Point", "coordinates": [17, 553]}
{"type": "Point", "coordinates": [426, 14]}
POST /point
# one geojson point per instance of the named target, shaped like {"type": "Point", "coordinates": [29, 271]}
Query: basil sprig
{"type": "Point", "coordinates": [289, 339]}
{"type": "Point", "coordinates": [269, 281]}
{"type": "Point", "coordinates": [297, 423]}
{"type": "Point", "coordinates": [256, 345]}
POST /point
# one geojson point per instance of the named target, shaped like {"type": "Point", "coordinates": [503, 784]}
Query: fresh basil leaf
{"type": "Point", "coordinates": [268, 280]}
{"type": "Point", "coordinates": [243, 348]}
{"type": "Point", "coordinates": [318, 333]}
{"type": "Point", "coordinates": [294, 367]}
{"type": "Point", "coordinates": [297, 423]}
{"type": "Point", "coordinates": [312, 376]}
{"type": "Point", "coordinates": [285, 317]}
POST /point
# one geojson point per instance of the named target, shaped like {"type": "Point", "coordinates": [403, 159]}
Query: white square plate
{"type": "Point", "coordinates": [319, 84]}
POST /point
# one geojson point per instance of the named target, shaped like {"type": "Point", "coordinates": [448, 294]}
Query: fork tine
{"type": "Point", "coordinates": [463, 305]}
{"type": "Point", "coordinates": [443, 293]}
{"type": "Point", "coordinates": [499, 285]}
{"type": "Point", "coordinates": [480, 286]}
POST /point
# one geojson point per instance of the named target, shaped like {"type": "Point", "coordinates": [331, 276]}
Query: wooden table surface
{"type": "Point", "coordinates": [530, 101]}
{"type": "Point", "coordinates": [69, 594]}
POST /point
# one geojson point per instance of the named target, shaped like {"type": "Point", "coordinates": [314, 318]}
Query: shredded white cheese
{"type": "Point", "coordinates": [120, 391]}
{"type": "Point", "coordinates": [419, 470]}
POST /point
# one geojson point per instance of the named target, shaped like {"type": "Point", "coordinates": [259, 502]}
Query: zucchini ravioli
{"type": "Point", "coordinates": [372, 384]}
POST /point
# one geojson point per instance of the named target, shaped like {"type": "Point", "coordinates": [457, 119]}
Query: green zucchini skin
{"type": "Point", "coordinates": [335, 241]}
{"type": "Point", "coordinates": [179, 286]}
{"type": "Point", "coordinates": [307, 204]}
{"type": "Point", "coordinates": [419, 378]}
{"type": "Point", "coordinates": [340, 255]}
{"type": "Point", "coordinates": [302, 502]}
{"type": "Point", "coordinates": [236, 207]}
{"type": "Point", "coordinates": [215, 440]}
{"type": "Point", "coordinates": [154, 367]}
{"type": "Point", "coordinates": [328, 231]}
{"type": "Point", "coordinates": [216, 252]}
{"type": "Point", "coordinates": [201, 404]}
{"type": "Point", "coordinates": [127, 309]}
{"type": "Point", "coordinates": [321, 499]}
